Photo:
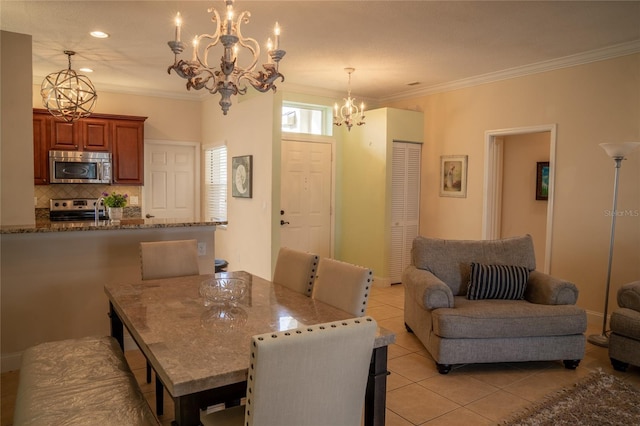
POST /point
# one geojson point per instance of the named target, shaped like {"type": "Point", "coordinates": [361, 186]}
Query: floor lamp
{"type": "Point", "coordinates": [617, 151]}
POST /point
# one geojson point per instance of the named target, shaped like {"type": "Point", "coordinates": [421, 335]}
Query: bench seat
{"type": "Point", "coordinates": [83, 381]}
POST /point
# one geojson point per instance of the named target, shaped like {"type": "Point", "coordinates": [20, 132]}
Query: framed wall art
{"type": "Point", "coordinates": [242, 176]}
{"type": "Point", "coordinates": [542, 180]}
{"type": "Point", "coordinates": [453, 176]}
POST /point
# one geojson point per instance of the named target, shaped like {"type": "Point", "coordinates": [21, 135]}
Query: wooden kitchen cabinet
{"type": "Point", "coordinates": [127, 148]}
{"type": "Point", "coordinates": [95, 134]}
{"type": "Point", "coordinates": [122, 135]}
{"type": "Point", "coordinates": [87, 134]}
{"type": "Point", "coordinates": [41, 132]}
{"type": "Point", "coordinates": [64, 136]}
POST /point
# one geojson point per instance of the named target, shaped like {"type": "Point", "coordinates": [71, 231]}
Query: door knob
{"type": "Point", "coordinates": [149, 216]}
{"type": "Point", "coordinates": [282, 222]}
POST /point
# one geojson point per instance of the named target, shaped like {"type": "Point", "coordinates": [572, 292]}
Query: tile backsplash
{"type": "Point", "coordinates": [44, 193]}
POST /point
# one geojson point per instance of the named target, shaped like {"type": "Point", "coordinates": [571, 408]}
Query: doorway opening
{"type": "Point", "coordinates": [492, 225]}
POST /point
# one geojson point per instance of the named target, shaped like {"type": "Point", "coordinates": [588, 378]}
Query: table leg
{"type": "Point", "coordinates": [376, 394]}
{"type": "Point", "coordinates": [117, 328]}
{"type": "Point", "coordinates": [159, 396]}
{"type": "Point", "coordinates": [187, 410]}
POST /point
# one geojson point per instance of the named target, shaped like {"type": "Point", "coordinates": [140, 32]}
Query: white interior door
{"type": "Point", "coordinates": [405, 205]}
{"type": "Point", "coordinates": [170, 189]}
{"type": "Point", "coordinates": [306, 194]}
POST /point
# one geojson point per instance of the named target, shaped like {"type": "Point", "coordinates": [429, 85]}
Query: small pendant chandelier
{"type": "Point", "coordinates": [68, 95]}
{"type": "Point", "coordinates": [350, 114]}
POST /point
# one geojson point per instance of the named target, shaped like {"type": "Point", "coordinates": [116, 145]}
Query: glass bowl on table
{"type": "Point", "coordinates": [225, 290]}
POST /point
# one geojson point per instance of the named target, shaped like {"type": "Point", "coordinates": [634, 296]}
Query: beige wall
{"type": "Point", "coordinates": [16, 153]}
{"type": "Point", "coordinates": [592, 103]}
{"type": "Point", "coordinates": [521, 212]}
{"type": "Point", "coordinates": [248, 129]}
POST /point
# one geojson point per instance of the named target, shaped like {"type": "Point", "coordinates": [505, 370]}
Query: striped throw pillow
{"type": "Point", "coordinates": [506, 282]}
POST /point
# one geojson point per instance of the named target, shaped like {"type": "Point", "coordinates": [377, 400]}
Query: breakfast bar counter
{"type": "Point", "coordinates": [53, 275]}
{"type": "Point", "coordinates": [103, 225]}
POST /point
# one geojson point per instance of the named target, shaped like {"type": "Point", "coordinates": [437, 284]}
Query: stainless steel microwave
{"type": "Point", "coordinates": [79, 167]}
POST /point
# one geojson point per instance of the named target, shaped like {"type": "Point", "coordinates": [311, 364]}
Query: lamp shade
{"type": "Point", "coordinates": [619, 150]}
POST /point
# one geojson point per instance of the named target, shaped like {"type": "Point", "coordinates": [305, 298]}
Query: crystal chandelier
{"type": "Point", "coordinates": [67, 94]}
{"type": "Point", "coordinates": [230, 79]}
{"type": "Point", "coordinates": [350, 114]}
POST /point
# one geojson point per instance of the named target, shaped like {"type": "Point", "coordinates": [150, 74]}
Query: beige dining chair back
{"type": "Point", "coordinates": [296, 270]}
{"type": "Point", "coordinates": [165, 259]}
{"type": "Point", "coordinates": [314, 375]}
{"type": "Point", "coordinates": [343, 285]}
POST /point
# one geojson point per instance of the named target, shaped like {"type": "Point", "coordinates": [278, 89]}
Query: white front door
{"type": "Point", "coordinates": [306, 194]}
{"type": "Point", "coordinates": [170, 181]}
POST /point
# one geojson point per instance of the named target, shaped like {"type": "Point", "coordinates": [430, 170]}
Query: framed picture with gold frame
{"type": "Point", "coordinates": [453, 176]}
{"type": "Point", "coordinates": [242, 176]}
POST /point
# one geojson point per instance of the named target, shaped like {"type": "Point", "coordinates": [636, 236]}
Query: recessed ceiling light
{"type": "Point", "coordinates": [86, 70]}
{"type": "Point", "coordinates": [99, 34]}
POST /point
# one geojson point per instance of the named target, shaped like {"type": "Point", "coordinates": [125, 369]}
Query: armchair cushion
{"type": "Point", "coordinates": [506, 282]}
{"type": "Point", "coordinates": [482, 319]}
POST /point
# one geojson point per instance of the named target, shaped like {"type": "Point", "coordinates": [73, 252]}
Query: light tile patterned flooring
{"type": "Point", "coordinates": [472, 394]}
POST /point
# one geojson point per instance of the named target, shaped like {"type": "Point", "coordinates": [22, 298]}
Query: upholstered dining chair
{"type": "Point", "coordinates": [296, 270]}
{"type": "Point", "coordinates": [309, 376]}
{"type": "Point", "coordinates": [343, 285]}
{"type": "Point", "coordinates": [166, 259]}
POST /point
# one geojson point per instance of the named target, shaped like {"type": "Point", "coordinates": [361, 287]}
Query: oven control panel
{"type": "Point", "coordinates": [74, 204]}
{"type": "Point", "coordinates": [75, 209]}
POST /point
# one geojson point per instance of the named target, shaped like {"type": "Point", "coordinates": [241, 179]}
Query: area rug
{"type": "Point", "coordinates": [598, 399]}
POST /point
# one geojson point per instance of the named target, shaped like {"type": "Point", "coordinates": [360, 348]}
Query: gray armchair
{"type": "Point", "coordinates": [518, 313]}
{"type": "Point", "coordinates": [624, 340]}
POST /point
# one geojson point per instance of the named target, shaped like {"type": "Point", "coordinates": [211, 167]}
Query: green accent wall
{"type": "Point", "coordinates": [365, 173]}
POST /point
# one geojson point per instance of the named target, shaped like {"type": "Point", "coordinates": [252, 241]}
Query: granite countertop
{"type": "Point", "coordinates": [42, 226]}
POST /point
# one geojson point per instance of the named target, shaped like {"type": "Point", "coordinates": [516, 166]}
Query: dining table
{"type": "Point", "coordinates": [200, 348]}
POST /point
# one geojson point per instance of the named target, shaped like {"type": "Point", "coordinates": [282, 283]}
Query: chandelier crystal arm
{"type": "Point", "coordinates": [231, 78]}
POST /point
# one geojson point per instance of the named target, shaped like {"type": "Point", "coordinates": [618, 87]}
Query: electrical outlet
{"type": "Point", "coordinates": [133, 200]}
{"type": "Point", "coordinates": [202, 249]}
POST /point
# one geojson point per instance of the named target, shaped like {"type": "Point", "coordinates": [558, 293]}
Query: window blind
{"type": "Point", "coordinates": [216, 183]}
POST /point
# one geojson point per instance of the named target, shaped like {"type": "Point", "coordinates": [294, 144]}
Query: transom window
{"type": "Point", "coordinates": [306, 118]}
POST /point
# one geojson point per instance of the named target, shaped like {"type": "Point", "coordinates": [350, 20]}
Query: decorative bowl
{"type": "Point", "coordinates": [222, 290]}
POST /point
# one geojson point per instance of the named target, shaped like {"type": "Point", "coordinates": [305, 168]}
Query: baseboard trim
{"type": "Point", "coordinates": [381, 282]}
{"type": "Point", "coordinates": [11, 362]}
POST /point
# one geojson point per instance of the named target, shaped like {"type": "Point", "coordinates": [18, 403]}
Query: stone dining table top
{"type": "Point", "coordinates": [194, 347]}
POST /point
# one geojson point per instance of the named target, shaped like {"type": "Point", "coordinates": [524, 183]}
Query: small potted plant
{"type": "Point", "coordinates": [115, 202]}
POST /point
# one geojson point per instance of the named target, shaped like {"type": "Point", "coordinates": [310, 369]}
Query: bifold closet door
{"type": "Point", "coordinates": [405, 205]}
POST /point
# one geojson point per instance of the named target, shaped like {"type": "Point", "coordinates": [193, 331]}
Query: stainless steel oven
{"type": "Point", "coordinates": [79, 167]}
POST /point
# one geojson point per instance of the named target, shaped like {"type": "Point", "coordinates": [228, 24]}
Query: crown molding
{"type": "Point", "coordinates": [614, 51]}
{"type": "Point", "coordinates": [183, 95]}
{"type": "Point", "coordinates": [610, 52]}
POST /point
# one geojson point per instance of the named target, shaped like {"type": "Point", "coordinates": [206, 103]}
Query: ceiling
{"type": "Point", "coordinates": [392, 44]}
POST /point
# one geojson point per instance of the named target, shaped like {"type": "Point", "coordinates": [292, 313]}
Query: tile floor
{"type": "Point", "coordinates": [472, 394]}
